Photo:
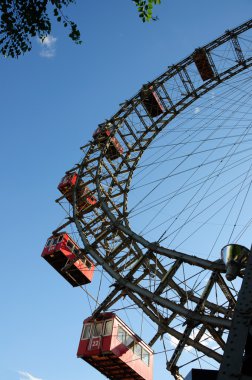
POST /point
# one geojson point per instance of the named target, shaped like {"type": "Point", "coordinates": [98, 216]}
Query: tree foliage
{"type": "Point", "coordinates": [23, 19]}
{"type": "Point", "coordinates": [145, 8]}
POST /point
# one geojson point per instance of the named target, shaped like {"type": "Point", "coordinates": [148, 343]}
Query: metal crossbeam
{"type": "Point", "coordinates": [106, 233]}
{"type": "Point", "coordinates": [231, 366]}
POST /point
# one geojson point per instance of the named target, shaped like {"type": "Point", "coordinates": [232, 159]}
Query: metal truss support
{"type": "Point", "coordinates": [171, 365]}
{"type": "Point", "coordinates": [238, 50]}
{"type": "Point", "coordinates": [129, 259]}
{"type": "Point", "coordinates": [231, 367]}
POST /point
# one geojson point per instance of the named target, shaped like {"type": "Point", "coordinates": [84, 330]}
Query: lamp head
{"type": "Point", "coordinates": [234, 257]}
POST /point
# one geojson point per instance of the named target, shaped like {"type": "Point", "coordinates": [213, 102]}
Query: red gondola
{"type": "Point", "coordinates": [84, 197]}
{"type": "Point", "coordinates": [101, 136]}
{"type": "Point", "coordinates": [109, 345]}
{"type": "Point", "coordinates": [203, 65]}
{"type": "Point", "coordinates": [151, 101]}
{"type": "Point", "coordinates": [60, 252]}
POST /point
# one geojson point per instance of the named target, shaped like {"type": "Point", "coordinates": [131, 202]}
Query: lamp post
{"type": "Point", "coordinates": [236, 364]}
{"type": "Point", "coordinates": [235, 258]}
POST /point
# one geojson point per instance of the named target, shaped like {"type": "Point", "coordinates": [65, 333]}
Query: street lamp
{"type": "Point", "coordinates": [235, 257]}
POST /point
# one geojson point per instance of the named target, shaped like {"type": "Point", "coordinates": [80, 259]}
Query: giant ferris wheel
{"type": "Point", "coordinates": [161, 188]}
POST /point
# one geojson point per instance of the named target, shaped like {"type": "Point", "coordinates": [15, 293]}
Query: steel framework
{"type": "Point", "coordinates": [231, 366]}
{"type": "Point", "coordinates": [106, 232]}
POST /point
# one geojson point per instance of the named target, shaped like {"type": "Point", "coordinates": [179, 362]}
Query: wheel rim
{"type": "Point", "coordinates": [129, 258]}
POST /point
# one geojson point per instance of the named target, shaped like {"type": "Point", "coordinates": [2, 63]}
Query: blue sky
{"type": "Point", "coordinates": [51, 101]}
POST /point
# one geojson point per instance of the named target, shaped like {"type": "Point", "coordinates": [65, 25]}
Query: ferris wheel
{"type": "Point", "coordinates": [161, 188]}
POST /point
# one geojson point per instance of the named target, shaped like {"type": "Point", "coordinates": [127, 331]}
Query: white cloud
{"type": "Point", "coordinates": [208, 341]}
{"type": "Point", "coordinates": [196, 110]}
{"type": "Point", "coordinates": [205, 340]}
{"type": "Point", "coordinates": [48, 46]}
{"type": "Point", "coordinates": [49, 41]}
{"type": "Point", "coordinates": [27, 376]}
{"type": "Point", "coordinates": [174, 342]}
{"type": "Point", "coordinates": [47, 53]}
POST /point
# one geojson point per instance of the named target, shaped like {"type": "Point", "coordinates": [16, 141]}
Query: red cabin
{"type": "Point", "coordinates": [60, 251]}
{"type": "Point", "coordinates": [151, 101]}
{"type": "Point", "coordinates": [203, 65]}
{"type": "Point", "coordinates": [101, 135]}
{"type": "Point", "coordinates": [109, 345]}
{"type": "Point", "coordinates": [84, 197]}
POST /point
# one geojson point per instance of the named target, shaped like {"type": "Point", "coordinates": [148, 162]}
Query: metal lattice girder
{"type": "Point", "coordinates": [191, 324]}
{"type": "Point", "coordinates": [231, 366]}
{"type": "Point", "coordinates": [105, 231]}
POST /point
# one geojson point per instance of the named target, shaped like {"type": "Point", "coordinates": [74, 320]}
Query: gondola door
{"type": "Point", "coordinates": [96, 335]}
